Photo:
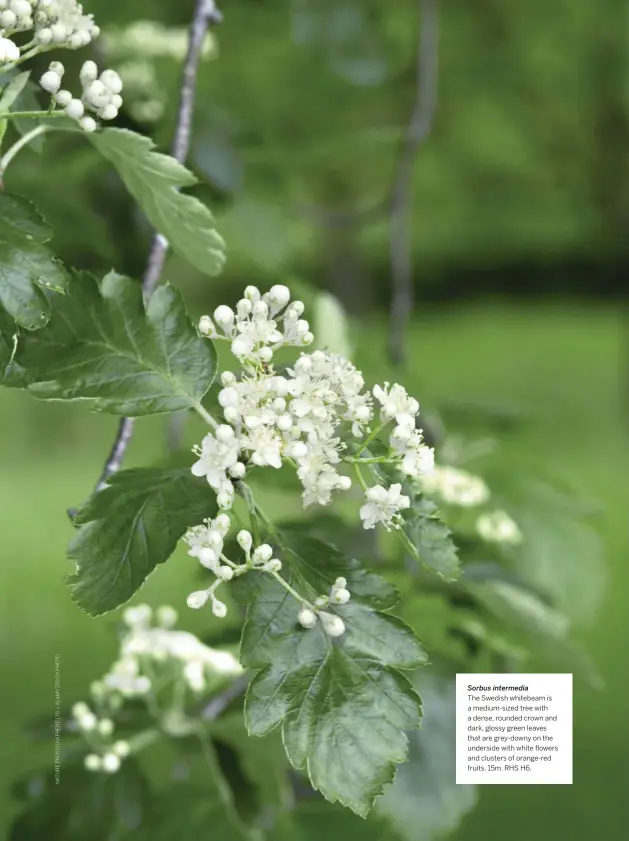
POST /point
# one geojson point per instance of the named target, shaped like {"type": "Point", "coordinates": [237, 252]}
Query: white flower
{"type": "Point", "coordinates": [105, 726]}
{"type": "Point", "coordinates": [138, 616]}
{"type": "Point", "coordinates": [216, 455]}
{"type": "Point", "coordinates": [383, 506]}
{"type": "Point", "coordinates": [194, 675]}
{"type": "Point", "coordinates": [8, 50]}
{"type": "Point", "coordinates": [75, 109]}
{"type": "Point", "coordinates": [455, 487]}
{"type": "Point", "coordinates": [498, 527]}
{"type": "Point", "coordinates": [417, 458]}
{"type": "Point", "coordinates": [396, 403]}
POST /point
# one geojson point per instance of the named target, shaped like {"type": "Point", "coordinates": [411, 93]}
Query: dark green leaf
{"type": "Point", "coordinates": [188, 812]}
{"type": "Point", "coordinates": [430, 540]}
{"type": "Point", "coordinates": [11, 92]}
{"type": "Point", "coordinates": [106, 347]}
{"type": "Point", "coordinates": [343, 704]}
{"type": "Point", "coordinates": [154, 180]}
{"type": "Point", "coordinates": [83, 805]}
{"type": "Point", "coordinates": [129, 528]}
{"type": "Point", "coordinates": [27, 266]}
{"type": "Point", "coordinates": [424, 802]}
{"type": "Point", "coordinates": [10, 373]}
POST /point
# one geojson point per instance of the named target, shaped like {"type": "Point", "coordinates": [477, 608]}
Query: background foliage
{"type": "Point", "coordinates": [519, 190]}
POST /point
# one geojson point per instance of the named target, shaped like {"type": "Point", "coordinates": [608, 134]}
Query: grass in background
{"type": "Point", "coordinates": [564, 366]}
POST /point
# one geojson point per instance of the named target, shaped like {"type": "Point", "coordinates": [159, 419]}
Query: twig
{"type": "Point", "coordinates": [205, 13]}
{"type": "Point", "coordinates": [400, 212]}
{"type": "Point", "coordinates": [220, 702]}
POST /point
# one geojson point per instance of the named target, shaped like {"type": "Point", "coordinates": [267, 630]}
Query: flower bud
{"type": "Point", "coordinates": [197, 599]}
{"type": "Point", "coordinates": [252, 293]}
{"type": "Point", "coordinates": [105, 727]}
{"type": "Point", "coordinates": [222, 524]}
{"type": "Point", "coordinates": [332, 625]}
{"type": "Point", "coordinates": [228, 379]}
{"type": "Point", "coordinates": [245, 540]}
{"type": "Point", "coordinates": [88, 72]}
{"type": "Point", "coordinates": [274, 565]}
{"type": "Point", "coordinates": [75, 109]}
{"type": "Point", "coordinates": [219, 609]}
{"type": "Point", "coordinates": [50, 81]}
{"type": "Point", "coordinates": [262, 553]}
{"type": "Point", "coordinates": [92, 762]}
{"type": "Point", "coordinates": [279, 295]}
{"type": "Point", "coordinates": [340, 596]}
{"type": "Point", "coordinates": [121, 748]}
{"type": "Point", "coordinates": [88, 124]}
{"type": "Point", "coordinates": [111, 763]}
{"type": "Point", "coordinates": [307, 618]}
{"type": "Point", "coordinates": [166, 616]}
{"type": "Point", "coordinates": [63, 98]}
{"type": "Point", "coordinates": [224, 316]}
{"type": "Point", "coordinates": [238, 470]}
{"type": "Point", "coordinates": [225, 573]}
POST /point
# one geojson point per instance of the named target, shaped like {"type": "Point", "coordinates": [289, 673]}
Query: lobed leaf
{"type": "Point", "coordinates": [27, 266]}
{"type": "Point", "coordinates": [129, 528]}
{"type": "Point", "coordinates": [343, 704]}
{"type": "Point", "coordinates": [105, 347]}
{"type": "Point", "coordinates": [154, 179]}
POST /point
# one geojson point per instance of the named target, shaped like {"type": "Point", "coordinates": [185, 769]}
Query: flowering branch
{"type": "Point", "coordinates": [205, 13]}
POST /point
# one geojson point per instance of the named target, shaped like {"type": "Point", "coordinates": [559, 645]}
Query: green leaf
{"type": "Point", "coordinates": [314, 821]}
{"type": "Point", "coordinates": [343, 704]}
{"type": "Point", "coordinates": [105, 347]}
{"type": "Point", "coordinates": [424, 802]}
{"type": "Point", "coordinates": [190, 812]}
{"type": "Point", "coordinates": [129, 528]}
{"type": "Point", "coordinates": [154, 180]}
{"type": "Point", "coordinates": [27, 266]}
{"type": "Point", "coordinates": [521, 608]}
{"type": "Point", "coordinates": [430, 540]}
{"type": "Point", "coordinates": [9, 338]}
{"type": "Point", "coordinates": [13, 90]}
{"type": "Point", "coordinates": [83, 805]}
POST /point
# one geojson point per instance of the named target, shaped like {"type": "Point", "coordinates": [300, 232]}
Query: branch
{"type": "Point", "coordinates": [205, 13]}
{"type": "Point", "coordinates": [401, 198]}
{"type": "Point", "coordinates": [220, 702]}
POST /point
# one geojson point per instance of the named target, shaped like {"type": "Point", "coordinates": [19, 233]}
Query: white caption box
{"type": "Point", "coordinates": [514, 729]}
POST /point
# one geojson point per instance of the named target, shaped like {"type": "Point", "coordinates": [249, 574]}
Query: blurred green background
{"type": "Point", "coordinates": [519, 238]}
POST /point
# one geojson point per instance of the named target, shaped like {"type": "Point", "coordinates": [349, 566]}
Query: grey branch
{"type": "Point", "coordinates": [220, 702]}
{"type": "Point", "coordinates": [205, 13]}
{"type": "Point", "coordinates": [401, 199]}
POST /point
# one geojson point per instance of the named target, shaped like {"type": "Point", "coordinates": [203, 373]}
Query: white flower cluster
{"type": "Point", "coordinates": [456, 487]}
{"type": "Point", "coordinates": [106, 752]}
{"type": "Point", "coordinates": [100, 93]}
{"type": "Point", "coordinates": [498, 527]}
{"type": "Point", "coordinates": [332, 625]}
{"type": "Point", "coordinates": [306, 415]}
{"type": "Point", "coordinates": [206, 544]}
{"type": "Point", "coordinates": [146, 647]}
{"type": "Point", "coordinates": [55, 23]}
{"type": "Point", "coordinates": [302, 415]}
